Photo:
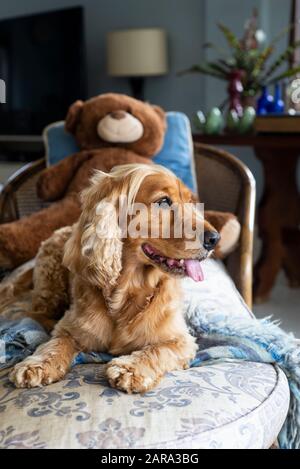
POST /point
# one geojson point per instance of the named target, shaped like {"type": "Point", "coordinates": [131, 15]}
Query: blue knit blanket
{"type": "Point", "coordinates": [228, 338]}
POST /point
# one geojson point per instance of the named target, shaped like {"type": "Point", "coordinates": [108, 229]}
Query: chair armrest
{"type": "Point", "coordinates": [226, 184]}
{"type": "Point", "coordinates": [18, 196]}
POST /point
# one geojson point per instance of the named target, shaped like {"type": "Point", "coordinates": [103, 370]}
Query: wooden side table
{"type": "Point", "coordinates": [279, 210]}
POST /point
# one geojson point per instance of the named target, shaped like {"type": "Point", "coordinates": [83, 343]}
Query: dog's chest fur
{"type": "Point", "coordinates": [128, 320]}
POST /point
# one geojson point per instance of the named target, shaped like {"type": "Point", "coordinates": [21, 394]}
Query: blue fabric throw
{"type": "Point", "coordinates": [220, 337]}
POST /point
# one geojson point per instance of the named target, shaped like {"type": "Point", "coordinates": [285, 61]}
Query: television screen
{"type": "Point", "coordinates": [42, 62]}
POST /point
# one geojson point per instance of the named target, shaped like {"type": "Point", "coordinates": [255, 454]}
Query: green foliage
{"type": "Point", "coordinates": [204, 68]}
{"type": "Point", "coordinates": [249, 57]}
{"type": "Point", "coordinates": [288, 74]}
{"type": "Point", "coordinates": [232, 40]}
{"type": "Point", "coordinates": [284, 57]}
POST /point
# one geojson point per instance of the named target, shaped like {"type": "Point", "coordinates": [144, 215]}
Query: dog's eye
{"type": "Point", "coordinates": [164, 202]}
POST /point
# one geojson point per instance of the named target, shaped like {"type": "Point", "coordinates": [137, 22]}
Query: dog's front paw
{"type": "Point", "coordinates": [31, 373]}
{"type": "Point", "coordinates": [127, 374]}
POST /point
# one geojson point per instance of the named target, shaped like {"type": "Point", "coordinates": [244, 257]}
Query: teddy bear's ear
{"type": "Point", "coordinates": [160, 112]}
{"type": "Point", "coordinates": [73, 116]}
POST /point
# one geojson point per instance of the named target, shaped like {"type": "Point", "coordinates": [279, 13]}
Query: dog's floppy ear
{"type": "Point", "coordinates": [94, 249]}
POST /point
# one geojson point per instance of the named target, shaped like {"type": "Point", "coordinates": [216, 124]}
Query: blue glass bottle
{"type": "Point", "coordinates": [265, 102]}
{"type": "Point", "coordinates": [278, 104]}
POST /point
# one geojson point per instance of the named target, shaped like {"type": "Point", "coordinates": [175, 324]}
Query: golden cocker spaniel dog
{"type": "Point", "coordinates": [121, 291]}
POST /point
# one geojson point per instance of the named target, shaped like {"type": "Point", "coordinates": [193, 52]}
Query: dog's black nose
{"type": "Point", "coordinates": [211, 239]}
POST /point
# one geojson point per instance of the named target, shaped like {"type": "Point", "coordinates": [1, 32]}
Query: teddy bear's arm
{"type": "Point", "coordinates": [20, 239]}
{"type": "Point", "coordinates": [53, 181]}
{"type": "Point", "coordinates": [229, 228]}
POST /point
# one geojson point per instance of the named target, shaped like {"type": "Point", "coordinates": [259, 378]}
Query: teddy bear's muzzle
{"type": "Point", "coordinates": [120, 127]}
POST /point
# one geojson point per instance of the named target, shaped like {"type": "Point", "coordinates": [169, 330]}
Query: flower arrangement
{"type": "Point", "coordinates": [250, 57]}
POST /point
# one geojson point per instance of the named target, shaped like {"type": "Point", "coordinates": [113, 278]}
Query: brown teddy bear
{"type": "Point", "coordinates": [110, 129]}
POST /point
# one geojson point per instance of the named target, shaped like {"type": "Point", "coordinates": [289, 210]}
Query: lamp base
{"type": "Point", "coordinates": [137, 87]}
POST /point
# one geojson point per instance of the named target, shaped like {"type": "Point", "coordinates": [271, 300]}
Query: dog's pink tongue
{"type": "Point", "coordinates": [194, 270]}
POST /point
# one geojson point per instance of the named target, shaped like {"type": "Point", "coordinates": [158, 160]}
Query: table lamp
{"type": "Point", "coordinates": [137, 54]}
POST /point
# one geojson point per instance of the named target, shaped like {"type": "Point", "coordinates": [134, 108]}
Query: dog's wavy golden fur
{"type": "Point", "coordinates": [123, 299]}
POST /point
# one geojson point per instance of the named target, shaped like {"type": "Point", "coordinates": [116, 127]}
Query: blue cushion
{"type": "Point", "coordinates": [176, 154]}
{"type": "Point", "coordinates": [58, 143]}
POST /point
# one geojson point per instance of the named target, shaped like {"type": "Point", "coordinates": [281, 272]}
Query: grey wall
{"type": "Point", "coordinates": [189, 24]}
{"type": "Point", "coordinates": [183, 19]}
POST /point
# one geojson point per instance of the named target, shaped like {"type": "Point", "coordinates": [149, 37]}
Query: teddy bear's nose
{"type": "Point", "coordinates": [118, 115]}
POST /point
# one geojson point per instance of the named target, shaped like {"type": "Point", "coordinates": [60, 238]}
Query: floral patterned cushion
{"type": "Point", "coordinates": [219, 405]}
{"type": "Point", "coordinates": [217, 293]}
{"type": "Point", "coordinates": [222, 405]}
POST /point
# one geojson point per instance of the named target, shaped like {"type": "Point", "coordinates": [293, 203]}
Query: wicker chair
{"type": "Point", "coordinates": [224, 184]}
